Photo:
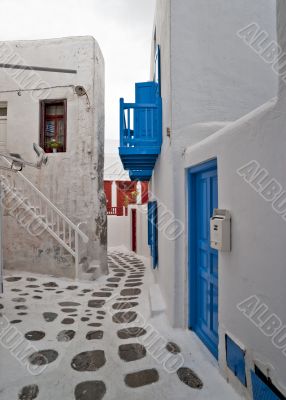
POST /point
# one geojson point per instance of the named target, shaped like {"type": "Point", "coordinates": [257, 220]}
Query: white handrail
{"type": "Point", "coordinates": [58, 225]}
{"type": "Point", "coordinates": [40, 194]}
{"type": "Point", "coordinates": [20, 202]}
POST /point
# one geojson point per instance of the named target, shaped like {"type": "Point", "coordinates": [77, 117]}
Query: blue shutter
{"type": "Point", "coordinates": [235, 358]}
{"type": "Point", "coordinates": [149, 223]}
{"type": "Point", "coordinates": [260, 390]}
{"type": "Point", "coordinates": [153, 231]}
{"type": "Point", "coordinates": [154, 247]}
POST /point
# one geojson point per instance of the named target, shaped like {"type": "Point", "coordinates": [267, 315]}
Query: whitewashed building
{"type": "Point", "coordinates": [52, 93]}
{"type": "Point", "coordinates": [213, 63]}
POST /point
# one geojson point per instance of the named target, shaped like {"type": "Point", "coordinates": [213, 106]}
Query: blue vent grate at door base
{"type": "Point", "coordinates": [261, 391]}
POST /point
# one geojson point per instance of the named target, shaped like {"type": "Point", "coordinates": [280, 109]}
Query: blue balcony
{"type": "Point", "coordinates": [141, 131]}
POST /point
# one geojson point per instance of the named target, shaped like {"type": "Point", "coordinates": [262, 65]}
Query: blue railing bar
{"type": "Point", "coordinates": [135, 105]}
{"type": "Point", "coordinates": [128, 123]}
{"type": "Point", "coordinates": [138, 141]}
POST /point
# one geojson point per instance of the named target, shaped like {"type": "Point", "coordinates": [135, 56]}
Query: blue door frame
{"type": "Point", "coordinates": [203, 260]}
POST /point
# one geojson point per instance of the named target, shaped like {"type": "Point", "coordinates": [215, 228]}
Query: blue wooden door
{"type": "Point", "coordinates": [146, 119]}
{"type": "Point", "coordinates": [203, 259]}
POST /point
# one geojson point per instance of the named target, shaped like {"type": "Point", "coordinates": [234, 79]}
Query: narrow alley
{"type": "Point", "coordinates": [62, 339]}
{"type": "Point", "coordinates": [142, 200]}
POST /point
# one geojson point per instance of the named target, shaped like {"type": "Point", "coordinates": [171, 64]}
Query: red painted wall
{"type": "Point", "coordinates": [108, 194]}
{"type": "Point", "coordinates": [124, 193]}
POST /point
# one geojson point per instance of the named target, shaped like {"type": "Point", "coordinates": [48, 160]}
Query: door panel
{"type": "Point", "coordinates": [204, 262]}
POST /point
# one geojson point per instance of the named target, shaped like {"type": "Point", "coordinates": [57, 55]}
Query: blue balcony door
{"type": "Point", "coordinates": [203, 260]}
{"type": "Point", "coordinates": [146, 120]}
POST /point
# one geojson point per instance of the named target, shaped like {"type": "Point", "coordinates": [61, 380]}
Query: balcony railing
{"type": "Point", "coordinates": [140, 125]}
{"type": "Point", "coordinates": [117, 211]}
{"type": "Point", "coordinates": [141, 131]}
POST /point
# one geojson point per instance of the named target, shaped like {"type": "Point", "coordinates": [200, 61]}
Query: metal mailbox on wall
{"type": "Point", "coordinates": [220, 231]}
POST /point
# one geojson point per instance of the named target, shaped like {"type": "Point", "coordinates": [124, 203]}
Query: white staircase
{"type": "Point", "coordinates": [22, 200]}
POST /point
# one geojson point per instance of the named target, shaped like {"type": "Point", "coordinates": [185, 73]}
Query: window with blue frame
{"type": "Point", "coordinates": [153, 231]}
{"type": "Point", "coordinates": [157, 68]}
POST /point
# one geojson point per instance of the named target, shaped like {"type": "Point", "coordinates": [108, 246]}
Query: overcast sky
{"type": "Point", "coordinates": [123, 29]}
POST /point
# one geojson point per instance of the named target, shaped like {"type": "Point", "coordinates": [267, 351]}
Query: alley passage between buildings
{"type": "Point", "coordinates": [88, 341]}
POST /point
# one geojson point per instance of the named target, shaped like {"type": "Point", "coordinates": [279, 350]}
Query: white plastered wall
{"type": "Point", "coordinates": [209, 78]}
{"type": "Point", "coordinates": [73, 180]}
{"type": "Point", "coordinates": [256, 264]}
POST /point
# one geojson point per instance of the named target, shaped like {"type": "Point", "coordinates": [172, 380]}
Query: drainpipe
{"type": "Point", "coordinates": [281, 35]}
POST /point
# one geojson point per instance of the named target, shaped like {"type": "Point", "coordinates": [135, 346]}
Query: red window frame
{"type": "Point", "coordinates": [44, 118]}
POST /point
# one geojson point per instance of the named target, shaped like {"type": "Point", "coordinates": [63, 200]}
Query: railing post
{"type": "Point", "coordinates": [128, 124]}
{"type": "Point", "coordinates": [76, 256]}
{"type": "Point", "coordinates": [121, 119]}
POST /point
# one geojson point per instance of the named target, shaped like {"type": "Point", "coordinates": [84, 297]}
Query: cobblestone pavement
{"type": "Point", "coordinates": [90, 341]}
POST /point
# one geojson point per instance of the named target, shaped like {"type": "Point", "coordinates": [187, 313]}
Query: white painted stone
{"type": "Point", "coordinates": [157, 302]}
